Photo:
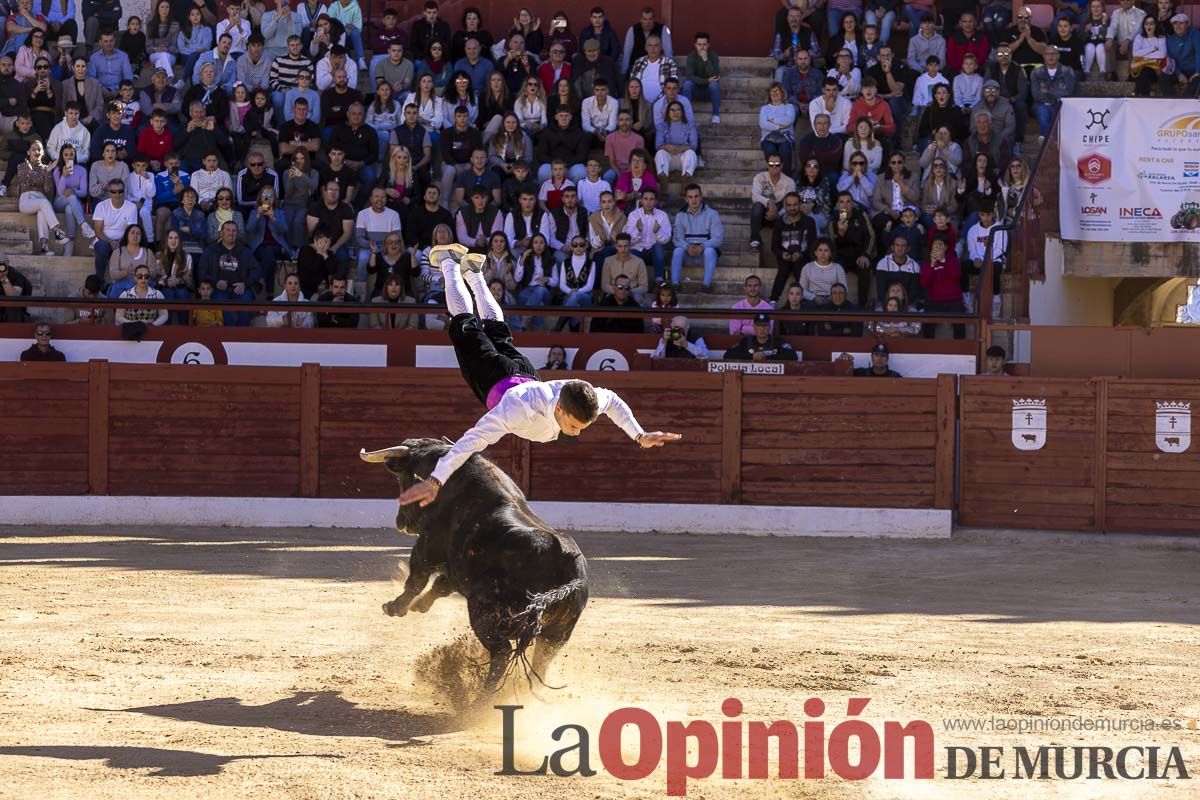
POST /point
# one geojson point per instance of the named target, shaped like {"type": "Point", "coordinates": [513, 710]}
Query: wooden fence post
{"type": "Point", "coordinates": [310, 430]}
{"type": "Point", "coordinates": [98, 422]}
{"type": "Point", "coordinates": [943, 461]}
{"type": "Point", "coordinates": [1100, 475]}
{"type": "Point", "coordinates": [731, 437]}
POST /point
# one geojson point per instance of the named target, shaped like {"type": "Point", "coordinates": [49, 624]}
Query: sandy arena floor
{"type": "Point", "coordinates": [196, 663]}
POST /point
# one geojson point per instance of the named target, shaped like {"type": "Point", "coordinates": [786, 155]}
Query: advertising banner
{"type": "Point", "coordinates": [1129, 170]}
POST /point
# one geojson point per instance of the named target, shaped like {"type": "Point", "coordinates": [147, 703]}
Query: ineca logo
{"type": "Point", "coordinates": [1140, 213]}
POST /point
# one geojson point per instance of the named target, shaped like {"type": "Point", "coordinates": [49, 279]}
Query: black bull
{"type": "Point", "coordinates": [524, 581]}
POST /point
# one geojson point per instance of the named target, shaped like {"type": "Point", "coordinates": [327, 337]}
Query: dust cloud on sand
{"type": "Point", "coordinates": [148, 663]}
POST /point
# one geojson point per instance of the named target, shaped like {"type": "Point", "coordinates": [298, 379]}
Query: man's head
{"type": "Point", "coordinates": [255, 45]}
{"type": "Point", "coordinates": [649, 200]}
{"type": "Point", "coordinates": [646, 20]}
{"type": "Point", "coordinates": [900, 249]}
{"type": "Point", "coordinates": [116, 192]}
{"type": "Point", "coordinates": [762, 327]}
{"type": "Point", "coordinates": [821, 125]}
{"type": "Point", "coordinates": [430, 11]}
{"type": "Point", "coordinates": [340, 80]}
{"type": "Point", "coordinates": [693, 196]}
{"type": "Point", "coordinates": [753, 286]}
{"type": "Point", "coordinates": [337, 286]}
{"type": "Point", "coordinates": [432, 196]}
{"type": "Point", "coordinates": [837, 294]}
{"type": "Point", "coordinates": [527, 200]}
{"type": "Point", "coordinates": [337, 156]}
{"type": "Point", "coordinates": [294, 46]}
{"type": "Point", "coordinates": [671, 88]}
{"type": "Point", "coordinates": [108, 42]}
{"type": "Point", "coordinates": [994, 360]}
{"type": "Point", "coordinates": [967, 23]}
{"type": "Point", "coordinates": [224, 44]}
{"type": "Point", "coordinates": [229, 234]}
{"type": "Point", "coordinates": [577, 406]}
{"type": "Point", "coordinates": [563, 117]}
{"type": "Point", "coordinates": [331, 193]}
{"type": "Point", "coordinates": [1050, 56]}
{"type": "Point", "coordinates": [378, 199]}
{"type": "Point", "coordinates": [396, 51]}
{"type": "Point", "coordinates": [113, 112]}
{"type": "Point", "coordinates": [654, 48]}
{"type": "Point", "coordinates": [830, 89]}
{"type": "Point", "coordinates": [355, 114]}
{"type": "Point", "coordinates": [803, 60]}
{"type": "Point", "coordinates": [879, 357]}
{"type": "Point", "coordinates": [570, 199]}
{"type": "Point", "coordinates": [870, 89]}
{"type": "Point", "coordinates": [624, 244]}
{"type": "Point", "coordinates": [479, 199]}
{"type": "Point", "coordinates": [71, 112]}
{"type": "Point", "coordinates": [300, 110]}
{"type": "Point", "coordinates": [41, 335]}
{"type": "Point", "coordinates": [791, 204]}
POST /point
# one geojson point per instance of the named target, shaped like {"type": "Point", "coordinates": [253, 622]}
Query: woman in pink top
{"type": "Point", "coordinates": [630, 184]}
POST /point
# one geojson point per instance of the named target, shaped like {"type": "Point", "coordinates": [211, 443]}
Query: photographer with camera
{"type": "Point", "coordinates": [675, 342]}
{"type": "Point", "coordinates": [13, 284]}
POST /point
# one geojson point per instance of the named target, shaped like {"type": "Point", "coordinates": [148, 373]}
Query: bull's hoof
{"type": "Point", "coordinates": [394, 609]}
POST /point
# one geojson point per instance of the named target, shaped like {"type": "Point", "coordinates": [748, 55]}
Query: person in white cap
{"type": "Point", "coordinates": [506, 382]}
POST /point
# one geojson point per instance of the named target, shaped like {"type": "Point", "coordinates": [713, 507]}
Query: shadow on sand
{"type": "Point", "coordinates": [310, 713]}
{"type": "Point", "coordinates": [164, 763]}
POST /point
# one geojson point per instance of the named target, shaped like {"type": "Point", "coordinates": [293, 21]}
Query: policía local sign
{"type": "Point", "coordinates": [1129, 170]}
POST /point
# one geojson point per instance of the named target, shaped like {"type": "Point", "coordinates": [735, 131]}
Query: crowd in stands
{"type": "Point", "coordinates": [228, 149]}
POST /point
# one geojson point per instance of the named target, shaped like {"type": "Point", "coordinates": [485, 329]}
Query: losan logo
{"type": "Point", "coordinates": [1140, 213]}
{"type": "Point", "coordinates": [1093, 211]}
{"type": "Point", "coordinates": [1095, 168]}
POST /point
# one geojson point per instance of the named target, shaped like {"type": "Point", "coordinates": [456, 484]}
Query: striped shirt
{"type": "Point", "coordinates": [285, 71]}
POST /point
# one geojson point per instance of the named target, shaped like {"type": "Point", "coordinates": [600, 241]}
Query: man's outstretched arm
{"type": "Point", "coordinates": [619, 412]}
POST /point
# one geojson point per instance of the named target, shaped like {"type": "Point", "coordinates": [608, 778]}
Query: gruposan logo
{"type": "Point", "coordinates": [1095, 168]}
{"type": "Point", "coordinates": [1184, 126]}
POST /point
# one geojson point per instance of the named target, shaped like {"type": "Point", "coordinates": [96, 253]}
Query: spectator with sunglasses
{"type": "Point", "coordinates": [42, 350]}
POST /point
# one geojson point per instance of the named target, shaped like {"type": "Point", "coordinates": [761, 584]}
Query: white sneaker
{"type": "Point", "coordinates": [3, 190]}
{"type": "Point", "coordinates": [716, 119]}
{"type": "Point", "coordinates": [454, 252]}
{"type": "Point", "coordinates": [362, 63]}
{"type": "Point", "coordinates": [995, 308]}
{"type": "Point", "coordinates": [473, 262]}
{"type": "Point", "coordinates": [88, 231]}
{"type": "Point", "coordinates": [968, 302]}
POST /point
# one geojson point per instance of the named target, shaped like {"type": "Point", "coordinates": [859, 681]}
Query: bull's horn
{"type": "Point", "coordinates": [379, 456]}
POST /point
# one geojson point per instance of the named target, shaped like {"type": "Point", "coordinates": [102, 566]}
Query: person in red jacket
{"type": "Point", "coordinates": [870, 104]}
{"type": "Point", "coordinates": [940, 276]}
{"type": "Point", "coordinates": [966, 39]}
{"type": "Point", "coordinates": [155, 140]}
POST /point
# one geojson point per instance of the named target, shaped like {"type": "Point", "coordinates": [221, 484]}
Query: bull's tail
{"type": "Point", "coordinates": [526, 624]}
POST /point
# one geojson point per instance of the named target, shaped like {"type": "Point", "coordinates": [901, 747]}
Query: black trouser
{"type": "Point", "coordinates": [758, 216]}
{"type": "Point", "coordinates": [953, 307]}
{"type": "Point", "coordinates": [486, 353]}
{"type": "Point", "coordinates": [1147, 78]}
{"type": "Point", "coordinates": [787, 269]}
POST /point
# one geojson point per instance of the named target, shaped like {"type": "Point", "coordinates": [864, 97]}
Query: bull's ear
{"type": "Point", "coordinates": [398, 454]}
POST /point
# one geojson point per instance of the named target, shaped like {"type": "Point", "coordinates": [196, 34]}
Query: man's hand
{"type": "Point", "coordinates": [646, 440]}
{"type": "Point", "coordinates": [424, 493]}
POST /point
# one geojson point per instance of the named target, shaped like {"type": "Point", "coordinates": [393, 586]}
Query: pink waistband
{"type": "Point", "coordinates": [497, 391]}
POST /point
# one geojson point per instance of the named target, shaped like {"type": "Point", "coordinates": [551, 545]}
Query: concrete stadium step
{"type": "Point", "coordinates": [729, 273]}
{"type": "Point", "coordinates": [1105, 89]}
{"type": "Point", "coordinates": [54, 276]}
{"type": "Point", "coordinates": [746, 65]}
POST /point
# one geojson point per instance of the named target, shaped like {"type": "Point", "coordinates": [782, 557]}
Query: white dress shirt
{"type": "Point", "coordinates": [527, 410]}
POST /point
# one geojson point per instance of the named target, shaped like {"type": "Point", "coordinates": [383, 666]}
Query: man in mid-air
{"type": "Point", "coordinates": [506, 382]}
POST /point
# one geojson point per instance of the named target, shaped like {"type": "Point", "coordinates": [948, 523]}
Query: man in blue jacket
{"type": "Point", "coordinates": [698, 235]}
{"type": "Point", "coordinates": [603, 32]}
{"type": "Point", "coordinates": [233, 271]}
{"type": "Point", "coordinates": [1183, 46]}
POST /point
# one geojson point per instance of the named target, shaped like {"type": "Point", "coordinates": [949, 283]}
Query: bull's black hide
{"type": "Point", "coordinates": [524, 581]}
